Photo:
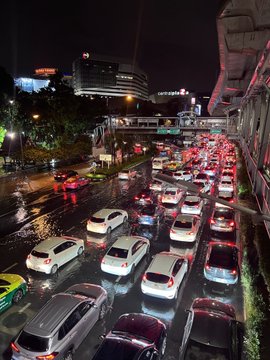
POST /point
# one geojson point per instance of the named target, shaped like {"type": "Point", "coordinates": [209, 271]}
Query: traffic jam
{"type": "Point", "coordinates": [211, 329]}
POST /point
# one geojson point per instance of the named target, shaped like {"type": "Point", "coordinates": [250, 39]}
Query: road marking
{"type": "Point", "coordinates": [10, 267]}
{"type": "Point", "coordinates": [71, 228]}
{"type": "Point", "coordinates": [118, 279]}
{"type": "Point", "coordinates": [24, 308]}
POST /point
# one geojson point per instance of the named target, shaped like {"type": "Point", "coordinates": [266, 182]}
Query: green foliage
{"type": "Point", "coordinates": [255, 309]}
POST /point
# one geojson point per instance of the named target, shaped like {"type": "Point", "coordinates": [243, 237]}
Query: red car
{"type": "Point", "coordinates": [75, 182]}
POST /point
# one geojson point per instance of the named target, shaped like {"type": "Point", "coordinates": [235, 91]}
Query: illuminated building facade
{"type": "Point", "coordinates": [108, 77]}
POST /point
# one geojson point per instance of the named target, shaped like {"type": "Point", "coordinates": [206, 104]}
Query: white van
{"type": "Point", "coordinates": [158, 163]}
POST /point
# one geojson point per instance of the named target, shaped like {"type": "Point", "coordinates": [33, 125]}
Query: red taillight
{"type": "Point", "coordinates": [103, 261]}
{"type": "Point", "coordinates": [14, 347]}
{"type": "Point", "coordinates": [124, 265]}
{"type": "Point", "coordinates": [47, 261]}
{"type": "Point", "coordinates": [136, 198]}
{"type": "Point", "coordinates": [29, 257]}
{"type": "Point", "coordinates": [47, 357]}
{"type": "Point", "coordinates": [144, 278]}
{"type": "Point", "coordinates": [172, 231]}
{"type": "Point", "coordinates": [170, 283]}
{"type": "Point", "coordinates": [148, 199]}
{"type": "Point", "coordinates": [207, 267]}
{"type": "Point", "coordinates": [231, 223]}
{"type": "Point", "coordinates": [190, 233]}
{"type": "Point", "coordinates": [234, 272]}
{"type": "Point", "coordinates": [212, 221]}
{"type": "Point", "coordinates": [89, 222]}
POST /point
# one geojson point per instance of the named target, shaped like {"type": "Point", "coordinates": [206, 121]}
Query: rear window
{"type": "Point", "coordinates": [148, 211]}
{"type": "Point", "coordinates": [222, 257]}
{"type": "Point", "coordinates": [32, 342]}
{"type": "Point", "coordinates": [191, 203]}
{"type": "Point", "coordinates": [201, 176]}
{"type": "Point", "coordinates": [157, 278]}
{"type": "Point", "coordinates": [170, 192]}
{"type": "Point", "coordinates": [118, 253]}
{"type": "Point", "coordinates": [183, 224]}
{"type": "Point", "coordinates": [39, 254]}
{"type": "Point", "coordinates": [226, 182]}
{"type": "Point", "coordinates": [97, 220]}
{"type": "Point", "coordinates": [4, 282]}
{"type": "Point", "coordinates": [223, 215]}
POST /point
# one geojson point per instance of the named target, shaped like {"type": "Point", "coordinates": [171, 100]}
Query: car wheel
{"type": "Point", "coordinates": [102, 311]}
{"type": "Point", "coordinates": [163, 347]}
{"type": "Point", "coordinates": [68, 355]}
{"type": "Point", "coordinates": [17, 296]}
{"type": "Point", "coordinates": [80, 251]}
{"type": "Point", "coordinates": [54, 269]}
{"type": "Point", "coordinates": [109, 230]}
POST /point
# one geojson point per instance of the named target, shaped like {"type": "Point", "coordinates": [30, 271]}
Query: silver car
{"type": "Point", "coordinates": [61, 325]}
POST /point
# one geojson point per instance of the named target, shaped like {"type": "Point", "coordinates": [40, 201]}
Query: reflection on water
{"type": "Point", "coordinates": [162, 309]}
{"type": "Point", "coordinates": [43, 285]}
{"type": "Point", "coordinates": [220, 292]}
{"type": "Point", "coordinates": [120, 286]}
{"type": "Point", "coordinates": [184, 249]}
{"type": "Point", "coordinates": [171, 210]}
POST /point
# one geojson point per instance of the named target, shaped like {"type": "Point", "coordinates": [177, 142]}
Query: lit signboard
{"type": "Point", "coordinates": [181, 92]}
{"type": "Point", "coordinates": [46, 71]}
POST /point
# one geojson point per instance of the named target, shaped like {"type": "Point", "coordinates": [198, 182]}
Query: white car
{"type": "Point", "coordinates": [124, 255]}
{"type": "Point", "coordinates": [184, 175]}
{"type": "Point", "coordinates": [164, 275]}
{"type": "Point", "coordinates": [127, 174]}
{"type": "Point", "coordinates": [157, 185]}
{"type": "Point", "coordinates": [225, 184]}
{"type": "Point", "coordinates": [105, 220]}
{"type": "Point", "coordinates": [227, 196]}
{"type": "Point", "coordinates": [171, 196]}
{"type": "Point", "coordinates": [185, 228]}
{"type": "Point", "coordinates": [201, 177]}
{"type": "Point", "coordinates": [192, 205]}
{"type": "Point", "coordinates": [54, 252]}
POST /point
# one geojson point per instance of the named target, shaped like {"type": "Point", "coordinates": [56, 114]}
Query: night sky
{"type": "Point", "coordinates": [173, 41]}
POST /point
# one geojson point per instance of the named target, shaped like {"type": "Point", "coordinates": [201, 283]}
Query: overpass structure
{"type": "Point", "coordinates": [242, 91]}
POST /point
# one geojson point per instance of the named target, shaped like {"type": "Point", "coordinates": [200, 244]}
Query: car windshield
{"type": "Point", "coordinates": [118, 253]}
{"type": "Point", "coordinates": [199, 351]}
{"type": "Point", "coordinates": [32, 342]}
{"type": "Point", "coordinates": [157, 278]}
{"type": "Point", "coordinates": [97, 220]}
{"type": "Point", "coordinates": [222, 257]}
{"type": "Point", "coordinates": [183, 224]}
{"type": "Point", "coordinates": [201, 176]}
{"type": "Point", "coordinates": [39, 254]}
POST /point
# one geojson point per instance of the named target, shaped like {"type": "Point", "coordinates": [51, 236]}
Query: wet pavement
{"type": "Point", "coordinates": [27, 217]}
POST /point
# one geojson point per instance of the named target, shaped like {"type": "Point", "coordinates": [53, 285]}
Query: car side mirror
{"type": "Point", "coordinates": [102, 337]}
{"type": "Point", "coordinates": [94, 306]}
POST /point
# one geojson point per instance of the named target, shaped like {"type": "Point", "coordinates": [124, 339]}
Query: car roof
{"type": "Point", "coordinates": [171, 189]}
{"type": "Point", "coordinates": [105, 212]}
{"type": "Point", "coordinates": [50, 243]}
{"type": "Point", "coordinates": [192, 198]}
{"type": "Point", "coordinates": [163, 262]}
{"type": "Point", "coordinates": [141, 325]}
{"type": "Point", "coordinates": [52, 314]}
{"type": "Point", "coordinates": [182, 217]}
{"type": "Point", "coordinates": [126, 242]}
{"type": "Point", "coordinates": [211, 328]}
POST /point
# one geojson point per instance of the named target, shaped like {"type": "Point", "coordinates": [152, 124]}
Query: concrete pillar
{"type": "Point", "coordinates": [264, 129]}
{"type": "Point", "coordinates": [256, 118]}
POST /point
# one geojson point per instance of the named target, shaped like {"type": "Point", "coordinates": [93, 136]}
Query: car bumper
{"type": "Point", "coordinates": [221, 228]}
{"type": "Point", "coordinates": [99, 230]}
{"type": "Point", "coordinates": [38, 267]}
{"type": "Point", "coordinates": [184, 238]}
{"type": "Point", "coordinates": [220, 280]}
{"type": "Point", "coordinates": [115, 270]}
{"type": "Point", "coordinates": [162, 294]}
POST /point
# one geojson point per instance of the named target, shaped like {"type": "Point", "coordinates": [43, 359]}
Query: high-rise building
{"type": "Point", "coordinates": [108, 77]}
